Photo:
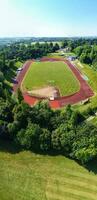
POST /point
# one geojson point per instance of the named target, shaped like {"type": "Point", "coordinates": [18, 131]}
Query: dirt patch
{"type": "Point", "coordinates": [45, 92]}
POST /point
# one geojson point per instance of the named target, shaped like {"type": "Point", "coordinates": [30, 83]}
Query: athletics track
{"type": "Point", "coordinates": [85, 91]}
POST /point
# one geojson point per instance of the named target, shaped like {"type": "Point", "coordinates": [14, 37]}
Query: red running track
{"type": "Point", "coordinates": [21, 75]}
{"type": "Point", "coordinates": [84, 92]}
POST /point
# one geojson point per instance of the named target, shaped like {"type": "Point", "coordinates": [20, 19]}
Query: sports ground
{"type": "Point", "coordinates": [53, 74]}
{"type": "Point", "coordinates": [57, 73]}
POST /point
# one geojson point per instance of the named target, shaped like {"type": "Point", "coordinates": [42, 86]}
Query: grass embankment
{"type": "Point", "coordinates": [61, 54]}
{"type": "Point", "coordinates": [92, 81]}
{"type": "Point", "coordinates": [27, 176]}
{"type": "Point", "coordinates": [58, 74]}
{"type": "Point", "coordinates": [54, 55]}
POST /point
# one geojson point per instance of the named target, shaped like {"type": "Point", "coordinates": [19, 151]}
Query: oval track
{"type": "Point", "coordinates": [84, 92]}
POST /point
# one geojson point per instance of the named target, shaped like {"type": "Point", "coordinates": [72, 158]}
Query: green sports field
{"type": "Point", "coordinates": [58, 74]}
{"type": "Point", "coordinates": [28, 176]}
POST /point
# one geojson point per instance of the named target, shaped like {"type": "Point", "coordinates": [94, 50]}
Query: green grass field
{"type": "Point", "coordinates": [57, 74]}
{"type": "Point", "coordinates": [27, 176]}
{"type": "Point", "coordinates": [58, 42]}
{"type": "Point", "coordinates": [18, 64]}
{"type": "Point", "coordinates": [92, 81]}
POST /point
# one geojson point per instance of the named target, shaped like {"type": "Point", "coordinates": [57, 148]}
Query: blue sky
{"type": "Point", "coordinates": [48, 18]}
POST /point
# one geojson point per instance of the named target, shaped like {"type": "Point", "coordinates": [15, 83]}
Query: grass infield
{"type": "Point", "coordinates": [57, 74]}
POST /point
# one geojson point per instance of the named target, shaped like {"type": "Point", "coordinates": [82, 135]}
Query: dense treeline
{"type": "Point", "coordinates": [73, 43]}
{"type": "Point", "coordinates": [86, 50]}
{"type": "Point", "coordinates": [23, 52]}
{"type": "Point", "coordinates": [87, 54]}
{"type": "Point", "coordinates": [40, 128]}
{"type": "Point", "coordinates": [20, 52]}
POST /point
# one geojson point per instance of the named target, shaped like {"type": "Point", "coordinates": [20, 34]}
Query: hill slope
{"type": "Point", "coordinates": [27, 176]}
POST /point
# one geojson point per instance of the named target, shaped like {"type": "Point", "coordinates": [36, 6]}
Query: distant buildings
{"type": "Point", "coordinates": [62, 51]}
{"type": "Point", "coordinates": [72, 58]}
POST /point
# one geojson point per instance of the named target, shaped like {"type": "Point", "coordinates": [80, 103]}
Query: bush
{"type": "Point", "coordinates": [29, 138]}
{"type": "Point", "coordinates": [45, 140]}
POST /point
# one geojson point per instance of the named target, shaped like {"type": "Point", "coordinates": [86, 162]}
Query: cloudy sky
{"type": "Point", "coordinates": [48, 18]}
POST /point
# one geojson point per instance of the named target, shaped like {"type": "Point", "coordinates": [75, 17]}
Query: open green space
{"type": "Point", "coordinates": [54, 55]}
{"type": "Point", "coordinates": [18, 64]}
{"type": "Point", "coordinates": [28, 176]}
{"type": "Point", "coordinates": [69, 54]}
{"type": "Point", "coordinates": [59, 54]}
{"type": "Point", "coordinates": [94, 120]}
{"type": "Point", "coordinates": [57, 74]}
{"type": "Point", "coordinates": [92, 81]}
{"type": "Point", "coordinates": [43, 42]}
{"type": "Point", "coordinates": [90, 73]}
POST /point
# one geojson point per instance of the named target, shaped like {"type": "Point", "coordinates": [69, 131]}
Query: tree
{"type": "Point", "coordinates": [71, 45]}
{"type": "Point", "coordinates": [92, 55]}
{"type": "Point", "coordinates": [5, 111]}
{"type": "Point", "coordinates": [84, 58]}
{"type": "Point", "coordinates": [64, 44]}
{"type": "Point", "coordinates": [1, 90]}
{"type": "Point", "coordinates": [21, 114]}
{"type": "Point", "coordinates": [84, 147]}
{"type": "Point", "coordinates": [3, 59]}
{"type": "Point", "coordinates": [95, 63]}
{"type": "Point", "coordinates": [69, 112]}
{"type": "Point", "coordinates": [41, 114]}
{"type": "Point", "coordinates": [11, 64]}
{"type": "Point", "coordinates": [1, 77]}
{"type": "Point", "coordinates": [76, 118]}
{"type": "Point", "coordinates": [19, 96]}
{"type": "Point", "coordinates": [86, 154]}
{"type": "Point", "coordinates": [3, 130]}
{"type": "Point", "coordinates": [1, 65]}
{"type": "Point", "coordinates": [56, 144]}
{"type": "Point", "coordinates": [78, 50]}
{"type": "Point", "coordinates": [29, 138]}
{"type": "Point", "coordinates": [45, 140]}
{"type": "Point", "coordinates": [13, 129]}
{"type": "Point", "coordinates": [62, 139]}
{"type": "Point", "coordinates": [56, 47]}
{"type": "Point", "coordinates": [51, 45]}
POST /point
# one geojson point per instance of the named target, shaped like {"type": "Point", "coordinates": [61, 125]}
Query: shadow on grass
{"type": "Point", "coordinates": [8, 147]}
{"type": "Point", "coordinates": [91, 166]}
{"type": "Point", "coordinates": [11, 147]}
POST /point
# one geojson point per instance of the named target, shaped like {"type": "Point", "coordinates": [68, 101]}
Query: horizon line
{"type": "Point", "coordinates": [1, 37]}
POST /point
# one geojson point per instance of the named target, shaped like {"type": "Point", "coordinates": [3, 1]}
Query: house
{"type": "Point", "coordinates": [67, 49]}
{"type": "Point", "coordinates": [72, 58]}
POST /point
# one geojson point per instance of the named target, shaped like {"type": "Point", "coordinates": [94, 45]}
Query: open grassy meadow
{"type": "Point", "coordinates": [57, 74]}
{"type": "Point", "coordinates": [28, 176]}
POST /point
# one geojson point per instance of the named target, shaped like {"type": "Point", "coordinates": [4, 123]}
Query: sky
{"type": "Point", "coordinates": [48, 18]}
